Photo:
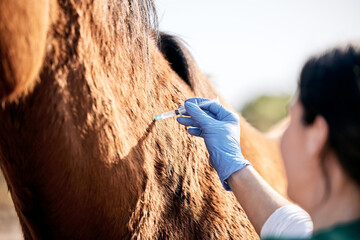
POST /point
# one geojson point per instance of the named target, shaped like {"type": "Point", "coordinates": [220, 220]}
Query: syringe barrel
{"type": "Point", "coordinates": [168, 114]}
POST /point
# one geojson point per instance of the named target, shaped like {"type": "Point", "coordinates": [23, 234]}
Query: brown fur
{"type": "Point", "coordinates": [79, 149]}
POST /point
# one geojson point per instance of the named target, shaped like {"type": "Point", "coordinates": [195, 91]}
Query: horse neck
{"type": "Point", "coordinates": [78, 117]}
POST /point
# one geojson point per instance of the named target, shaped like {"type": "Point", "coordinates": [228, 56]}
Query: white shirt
{"type": "Point", "coordinates": [289, 221]}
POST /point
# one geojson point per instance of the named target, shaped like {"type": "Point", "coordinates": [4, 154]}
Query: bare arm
{"type": "Point", "coordinates": [221, 132]}
{"type": "Point", "coordinates": [256, 196]}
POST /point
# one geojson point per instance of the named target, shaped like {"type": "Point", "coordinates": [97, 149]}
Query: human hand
{"type": "Point", "coordinates": [220, 129]}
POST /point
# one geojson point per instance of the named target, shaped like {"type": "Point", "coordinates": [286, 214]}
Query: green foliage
{"type": "Point", "coordinates": [265, 111]}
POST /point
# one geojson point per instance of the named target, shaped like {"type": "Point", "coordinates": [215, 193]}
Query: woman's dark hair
{"type": "Point", "coordinates": [330, 86]}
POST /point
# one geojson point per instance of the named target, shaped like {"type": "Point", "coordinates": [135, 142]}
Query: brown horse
{"type": "Point", "coordinates": [80, 84]}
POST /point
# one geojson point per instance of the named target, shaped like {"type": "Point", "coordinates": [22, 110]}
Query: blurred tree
{"type": "Point", "coordinates": [265, 111]}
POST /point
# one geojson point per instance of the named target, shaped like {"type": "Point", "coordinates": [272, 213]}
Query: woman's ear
{"type": "Point", "coordinates": [317, 135]}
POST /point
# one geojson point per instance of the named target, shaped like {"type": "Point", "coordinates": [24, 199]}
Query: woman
{"type": "Point", "coordinates": [320, 149]}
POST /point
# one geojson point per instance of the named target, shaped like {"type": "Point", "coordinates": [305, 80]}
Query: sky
{"type": "Point", "coordinates": [255, 47]}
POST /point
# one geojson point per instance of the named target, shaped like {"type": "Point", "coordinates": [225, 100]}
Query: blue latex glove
{"type": "Point", "coordinates": [220, 129]}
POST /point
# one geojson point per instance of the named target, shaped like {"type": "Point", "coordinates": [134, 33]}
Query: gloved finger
{"type": "Point", "coordinates": [197, 100]}
{"type": "Point", "coordinates": [187, 121]}
{"type": "Point", "coordinates": [207, 112]}
{"type": "Point", "coordinates": [212, 107]}
{"type": "Point", "coordinates": [220, 112]}
{"type": "Point", "coordinates": [185, 114]}
{"type": "Point", "coordinates": [197, 114]}
{"type": "Point", "coordinates": [195, 131]}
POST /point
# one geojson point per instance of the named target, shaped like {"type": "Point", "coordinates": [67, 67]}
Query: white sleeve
{"type": "Point", "coordinates": [289, 221]}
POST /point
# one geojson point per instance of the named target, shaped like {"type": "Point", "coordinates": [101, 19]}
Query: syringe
{"type": "Point", "coordinates": [181, 110]}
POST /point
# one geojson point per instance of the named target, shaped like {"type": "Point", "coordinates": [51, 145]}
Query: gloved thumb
{"type": "Point", "coordinates": [197, 113]}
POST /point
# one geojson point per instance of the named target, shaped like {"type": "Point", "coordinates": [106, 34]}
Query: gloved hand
{"type": "Point", "coordinates": [220, 129]}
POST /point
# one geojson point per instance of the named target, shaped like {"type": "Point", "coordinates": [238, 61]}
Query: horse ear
{"type": "Point", "coordinates": [184, 65]}
{"type": "Point", "coordinates": [23, 30]}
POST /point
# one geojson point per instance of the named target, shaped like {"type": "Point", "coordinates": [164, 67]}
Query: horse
{"type": "Point", "coordinates": [80, 84]}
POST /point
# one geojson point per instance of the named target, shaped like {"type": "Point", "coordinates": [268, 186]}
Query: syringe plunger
{"type": "Point", "coordinates": [181, 110]}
